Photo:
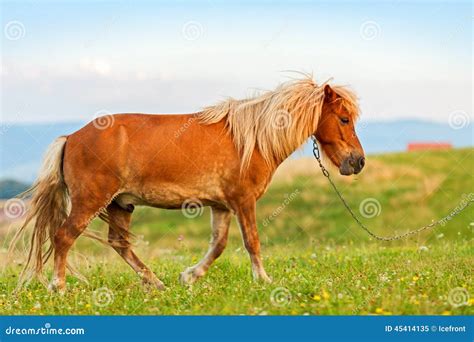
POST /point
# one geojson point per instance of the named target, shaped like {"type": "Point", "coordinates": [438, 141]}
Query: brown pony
{"type": "Point", "coordinates": [223, 157]}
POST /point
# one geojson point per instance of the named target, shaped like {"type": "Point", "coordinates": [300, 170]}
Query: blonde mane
{"type": "Point", "coordinates": [276, 122]}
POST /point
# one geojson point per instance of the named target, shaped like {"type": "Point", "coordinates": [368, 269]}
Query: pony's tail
{"type": "Point", "coordinates": [48, 208]}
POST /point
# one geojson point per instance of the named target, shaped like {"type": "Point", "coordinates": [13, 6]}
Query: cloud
{"type": "Point", "coordinates": [95, 66]}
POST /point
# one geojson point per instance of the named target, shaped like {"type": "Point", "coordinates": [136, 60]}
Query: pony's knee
{"type": "Point", "coordinates": [63, 238]}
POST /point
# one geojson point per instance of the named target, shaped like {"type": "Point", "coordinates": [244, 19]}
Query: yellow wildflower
{"type": "Point", "coordinates": [325, 294]}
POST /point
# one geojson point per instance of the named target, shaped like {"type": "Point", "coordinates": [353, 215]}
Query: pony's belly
{"type": "Point", "coordinates": [124, 200]}
{"type": "Point", "coordinates": [170, 197]}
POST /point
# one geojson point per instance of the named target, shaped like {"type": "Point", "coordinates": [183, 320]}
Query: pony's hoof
{"type": "Point", "coordinates": [154, 284]}
{"type": "Point", "coordinates": [56, 287]}
{"type": "Point", "coordinates": [189, 276]}
{"type": "Point", "coordinates": [263, 278]}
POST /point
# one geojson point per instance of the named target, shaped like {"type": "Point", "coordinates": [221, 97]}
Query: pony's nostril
{"type": "Point", "coordinates": [361, 162]}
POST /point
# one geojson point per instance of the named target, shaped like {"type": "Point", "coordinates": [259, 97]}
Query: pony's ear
{"type": "Point", "coordinates": [329, 94]}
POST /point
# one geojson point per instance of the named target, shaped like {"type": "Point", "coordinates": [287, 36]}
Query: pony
{"type": "Point", "coordinates": [223, 157]}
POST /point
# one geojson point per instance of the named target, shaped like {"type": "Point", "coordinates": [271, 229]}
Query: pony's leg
{"type": "Point", "coordinates": [119, 223]}
{"type": "Point", "coordinates": [64, 238]}
{"type": "Point", "coordinates": [220, 221]}
{"type": "Point", "coordinates": [246, 215]}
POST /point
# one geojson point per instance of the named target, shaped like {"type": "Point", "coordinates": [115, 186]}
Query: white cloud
{"type": "Point", "coordinates": [95, 66]}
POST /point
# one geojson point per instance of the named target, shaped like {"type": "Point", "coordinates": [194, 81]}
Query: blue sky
{"type": "Point", "coordinates": [73, 59]}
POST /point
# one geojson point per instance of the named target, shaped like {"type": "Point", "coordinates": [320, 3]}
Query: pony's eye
{"type": "Point", "coordinates": [344, 121]}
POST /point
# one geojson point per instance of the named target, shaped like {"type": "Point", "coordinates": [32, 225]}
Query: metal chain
{"type": "Point", "coordinates": [325, 172]}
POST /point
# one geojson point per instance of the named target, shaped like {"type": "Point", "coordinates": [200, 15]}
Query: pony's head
{"type": "Point", "coordinates": [279, 121]}
{"type": "Point", "coordinates": [336, 130]}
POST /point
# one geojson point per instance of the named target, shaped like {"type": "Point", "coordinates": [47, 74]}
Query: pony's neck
{"type": "Point", "coordinates": [299, 142]}
{"type": "Point", "coordinates": [291, 138]}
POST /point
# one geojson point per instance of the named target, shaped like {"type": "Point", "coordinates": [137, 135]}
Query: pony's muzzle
{"type": "Point", "coordinates": [357, 164]}
{"type": "Point", "coordinates": [360, 164]}
{"type": "Point", "coordinates": [352, 165]}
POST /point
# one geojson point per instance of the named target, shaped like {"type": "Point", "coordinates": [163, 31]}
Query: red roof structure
{"type": "Point", "coordinates": [423, 146]}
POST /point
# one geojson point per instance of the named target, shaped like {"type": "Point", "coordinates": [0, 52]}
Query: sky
{"type": "Point", "coordinates": [73, 60]}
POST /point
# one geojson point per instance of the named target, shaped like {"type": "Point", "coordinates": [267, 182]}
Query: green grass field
{"type": "Point", "coordinates": [320, 261]}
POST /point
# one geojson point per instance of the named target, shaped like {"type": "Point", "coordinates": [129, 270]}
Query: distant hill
{"type": "Point", "coordinates": [22, 145]}
{"type": "Point", "coordinates": [11, 188]}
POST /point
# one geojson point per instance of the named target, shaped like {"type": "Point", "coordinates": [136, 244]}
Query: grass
{"type": "Point", "coordinates": [320, 261]}
{"type": "Point", "coordinates": [340, 280]}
